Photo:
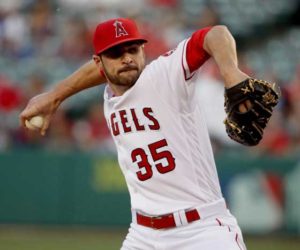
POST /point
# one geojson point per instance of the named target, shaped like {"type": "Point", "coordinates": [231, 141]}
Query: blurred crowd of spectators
{"type": "Point", "coordinates": [42, 41]}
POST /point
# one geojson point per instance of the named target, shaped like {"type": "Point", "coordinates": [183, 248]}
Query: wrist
{"type": "Point", "coordinates": [56, 96]}
{"type": "Point", "coordinates": [233, 76]}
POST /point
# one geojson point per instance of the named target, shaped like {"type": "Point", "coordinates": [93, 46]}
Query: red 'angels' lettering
{"type": "Point", "coordinates": [124, 121]}
{"type": "Point", "coordinates": [136, 121]}
{"type": "Point", "coordinates": [127, 120]}
{"type": "Point", "coordinates": [114, 126]}
{"type": "Point", "coordinates": [120, 30]}
{"type": "Point", "coordinates": [147, 112]}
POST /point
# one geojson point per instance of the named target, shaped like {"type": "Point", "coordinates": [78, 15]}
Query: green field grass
{"type": "Point", "coordinates": [33, 238]}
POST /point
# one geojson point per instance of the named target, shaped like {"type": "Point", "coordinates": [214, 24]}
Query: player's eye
{"type": "Point", "coordinates": [133, 50]}
{"type": "Point", "coordinates": [118, 51]}
{"type": "Point", "coordinates": [114, 53]}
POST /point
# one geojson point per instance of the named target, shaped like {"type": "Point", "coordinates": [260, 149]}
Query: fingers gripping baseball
{"type": "Point", "coordinates": [38, 113]}
{"type": "Point", "coordinates": [38, 123]}
{"type": "Point", "coordinates": [46, 124]}
{"type": "Point", "coordinates": [35, 123]}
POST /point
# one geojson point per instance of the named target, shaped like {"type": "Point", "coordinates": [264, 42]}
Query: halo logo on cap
{"type": "Point", "coordinates": [120, 30]}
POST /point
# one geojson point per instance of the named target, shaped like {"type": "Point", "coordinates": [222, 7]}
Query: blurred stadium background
{"type": "Point", "coordinates": [65, 191]}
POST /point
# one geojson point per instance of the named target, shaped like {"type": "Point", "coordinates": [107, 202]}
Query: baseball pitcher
{"type": "Point", "coordinates": [160, 133]}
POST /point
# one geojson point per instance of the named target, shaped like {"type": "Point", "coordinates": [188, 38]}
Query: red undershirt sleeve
{"type": "Point", "coordinates": [195, 54]}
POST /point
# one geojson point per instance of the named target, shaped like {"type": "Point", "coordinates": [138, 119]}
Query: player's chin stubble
{"type": "Point", "coordinates": [123, 78]}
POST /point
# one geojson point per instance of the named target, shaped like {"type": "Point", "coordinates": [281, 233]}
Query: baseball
{"type": "Point", "coordinates": [35, 123]}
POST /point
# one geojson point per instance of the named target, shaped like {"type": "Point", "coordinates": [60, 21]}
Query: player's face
{"type": "Point", "coordinates": [123, 64]}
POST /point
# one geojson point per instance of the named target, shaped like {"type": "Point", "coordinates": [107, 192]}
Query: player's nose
{"type": "Point", "coordinates": [127, 59]}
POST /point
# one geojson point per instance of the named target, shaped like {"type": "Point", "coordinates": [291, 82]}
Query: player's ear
{"type": "Point", "coordinates": [97, 60]}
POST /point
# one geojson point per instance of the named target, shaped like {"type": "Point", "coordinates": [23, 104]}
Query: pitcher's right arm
{"type": "Point", "coordinates": [47, 103]}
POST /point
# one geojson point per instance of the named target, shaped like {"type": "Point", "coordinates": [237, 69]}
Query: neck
{"type": "Point", "coordinates": [118, 90]}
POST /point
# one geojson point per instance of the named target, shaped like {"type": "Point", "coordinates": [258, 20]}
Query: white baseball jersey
{"type": "Point", "coordinates": [161, 137]}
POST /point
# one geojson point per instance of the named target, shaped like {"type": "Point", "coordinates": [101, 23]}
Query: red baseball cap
{"type": "Point", "coordinates": [114, 32]}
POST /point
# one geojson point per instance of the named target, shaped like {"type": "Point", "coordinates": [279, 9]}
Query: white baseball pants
{"type": "Point", "coordinates": [216, 230]}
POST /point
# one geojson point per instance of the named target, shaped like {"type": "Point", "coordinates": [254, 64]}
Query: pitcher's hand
{"type": "Point", "coordinates": [44, 105]}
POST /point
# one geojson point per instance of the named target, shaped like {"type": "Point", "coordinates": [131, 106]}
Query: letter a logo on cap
{"type": "Point", "coordinates": [120, 30]}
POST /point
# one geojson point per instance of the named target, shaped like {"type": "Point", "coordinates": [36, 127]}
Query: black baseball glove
{"type": "Point", "coordinates": [247, 127]}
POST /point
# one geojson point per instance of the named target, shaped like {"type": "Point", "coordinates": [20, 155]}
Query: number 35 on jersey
{"type": "Point", "coordinates": [155, 156]}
